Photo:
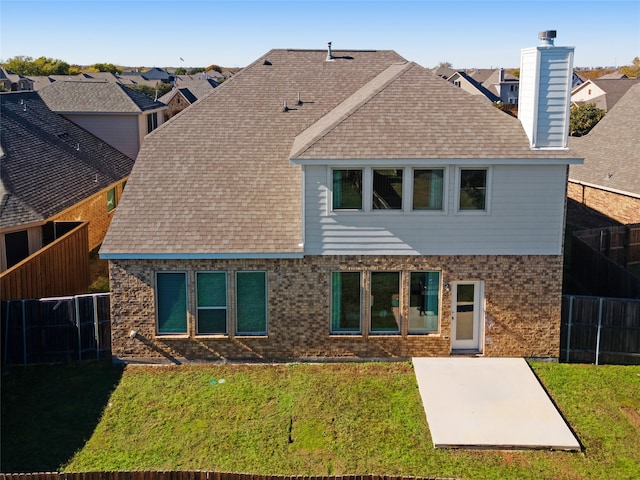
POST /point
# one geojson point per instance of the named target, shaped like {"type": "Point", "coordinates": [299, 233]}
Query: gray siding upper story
{"type": "Point", "coordinates": [119, 131]}
{"type": "Point", "coordinates": [525, 216]}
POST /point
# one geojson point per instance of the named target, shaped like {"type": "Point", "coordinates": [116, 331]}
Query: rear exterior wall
{"type": "Point", "coordinates": [522, 298]}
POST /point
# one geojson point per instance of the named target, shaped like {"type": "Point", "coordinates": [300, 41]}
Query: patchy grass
{"type": "Point", "coordinates": [311, 419]}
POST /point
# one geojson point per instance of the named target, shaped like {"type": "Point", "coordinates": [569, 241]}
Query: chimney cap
{"type": "Point", "coordinates": [547, 35]}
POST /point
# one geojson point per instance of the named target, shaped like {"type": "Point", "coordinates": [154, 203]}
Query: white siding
{"type": "Point", "coordinates": [119, 131]}
{"type": "Point", "coordinates": [545, 95]}
{"type": "Point", "coordinates": [526, 216]}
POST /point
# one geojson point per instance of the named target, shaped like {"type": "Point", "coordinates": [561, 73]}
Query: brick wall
{"type": "Point", "coordinates": [522, 309]}
{"type": "Point", "coordinates": [94, 211]}
{"type": "Point", "coordinates": [621, 208]}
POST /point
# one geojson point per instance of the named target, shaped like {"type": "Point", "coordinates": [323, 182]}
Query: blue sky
{"type": "Point", "coordinates": [468, 34]}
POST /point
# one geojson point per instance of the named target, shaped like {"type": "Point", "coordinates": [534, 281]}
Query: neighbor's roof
{"type": "Point", "coordinates": [84, 96]}
{"type": "Point", "coordinates": [49, 163]}
{"type": "Point", "coordinates": [205, 186]}
{"type": "Point", "coordinates": [610, 150]}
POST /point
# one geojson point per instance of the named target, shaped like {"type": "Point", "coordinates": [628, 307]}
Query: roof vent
{"type": "Point", "coordinates": [284, 107]}
{"type": "Point", "coordinates": [547, 37]}
{"type": "Point", "coordinates": [329, 52]}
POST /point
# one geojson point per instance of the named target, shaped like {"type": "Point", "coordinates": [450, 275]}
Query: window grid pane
{"type": "Point", "coordinates": [385, 302]}
{"type": "Point", "coordinates": [387, 189]}
{"type": "Point", "coordinates": [171, 300]}
{"type": "Point", "coordinates": [345, 302]}
{"type": "Point", "coordinates": [424, 302]}
{"type": "Point", "coordinates": [211, 302]}
{"type": "Point", "coordinates": [473, 189]}
{"type": "Point", "coordinates": [428, 189]}
{"type": "Point", "coordinates": [251, 303]}
{"type": "Point", "coordinates": [347, 189]}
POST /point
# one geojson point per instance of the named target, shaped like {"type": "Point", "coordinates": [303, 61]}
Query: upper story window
{"type": "Point", "coordinates": [347, 189]}
{"type": "Point", "coordinates": [111, 199]}
{"type": "Point", "coordinates": [473, 189]}
{"type": "Point", "coordinates": [152, 122]}
{"type": "Point", "coordinates": [428, 189]}
{"type": "Point", "coordinates": [387, 189]}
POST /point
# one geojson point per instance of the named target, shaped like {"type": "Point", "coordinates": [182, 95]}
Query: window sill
{"type": "Point", "coordinates": [179, 336]}
{"type": "Point", "coordinates": [346, 335]}
{"type": "Point", "coordinates": [247, 337]}
{"type": "Point", "coordinates": [212, 336]}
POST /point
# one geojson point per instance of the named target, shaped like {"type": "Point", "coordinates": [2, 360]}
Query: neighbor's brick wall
{"type": "Point", "coordinates": [621, 208]}
{"type": "Point", "coordinates": [522, 301]}
{"type": "Point", "coordinates": [94, 211]}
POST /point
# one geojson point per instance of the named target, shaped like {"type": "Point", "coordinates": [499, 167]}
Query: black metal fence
{"type": "Point", "coordinates": [600, 330]}
{"type": "Point", "coordinates": [52, 330]}
{"type": "Point", "coordinates": [601, 259]}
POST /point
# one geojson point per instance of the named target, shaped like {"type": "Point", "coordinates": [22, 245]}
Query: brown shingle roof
{"type": "Point", "coordinates": [610, 150]}
{"type": "Point", "coordinates": [201, 186]}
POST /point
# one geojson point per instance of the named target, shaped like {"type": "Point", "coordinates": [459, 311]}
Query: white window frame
{"type": "Point", "coordinates": [487, 202]}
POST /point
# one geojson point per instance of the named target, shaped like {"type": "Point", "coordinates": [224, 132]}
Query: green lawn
{"type": "Point", "coordinates": [293, 419]}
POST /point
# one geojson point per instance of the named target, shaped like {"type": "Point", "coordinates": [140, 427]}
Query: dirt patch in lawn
{"type": "Point", "coordinates": [632, 415]}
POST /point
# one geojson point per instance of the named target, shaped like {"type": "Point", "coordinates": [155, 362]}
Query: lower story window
{"type": "Point", "coordinates": [212, 303]}
{"type": "Point", "coordinates": [385, 302]}
{"type": "Point", "coordinates": [424, 302]}
{"type": "Point", "coordinates": [171, 302]}
{"type": "Point", "coordinates": [251, 303]}
{"type": "Point", "coordinates": [345, 302]}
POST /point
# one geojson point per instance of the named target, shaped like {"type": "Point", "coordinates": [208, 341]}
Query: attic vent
{"type": "Point", "coordinates": [267, 62]}
{"type": "Point", "coordinates": [547, 37]}
{"type": "Point", "coordinates": [329, 53]}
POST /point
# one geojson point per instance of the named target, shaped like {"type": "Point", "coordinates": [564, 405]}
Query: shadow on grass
{"type": "Point", "coordinates": [50, 411]}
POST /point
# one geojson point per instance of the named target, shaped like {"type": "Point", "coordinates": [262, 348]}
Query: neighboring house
{"type": "Point", "coordinates": [13, 82]}
{"type": "Point", "coordinates": [118, 115]}
{"type": "Point", "coordinates": [604, 94]}
{"type": "Point", "coordinates": [52, 171]}
{"type": "Point", "coordinates": [156, 74]}
{"type": "Point", "coordinates": [576, 80]}
{"type": "Point", "coordinates": [609, 180]}
{"type": "Point", "coordinates": [351, 204]}
{"type": "Point", "coordinates": [496, 85]}
{"type": "Point", "coordinates": [186, 93]}
{"type": "Point", "coordinates": [617, 75]}
{"type": "Point", "coordinates": [504, 85]}
{"type": "Point", "coordinates": [465, 82]}
{"type": "Point", "coordinates": [176, 100]}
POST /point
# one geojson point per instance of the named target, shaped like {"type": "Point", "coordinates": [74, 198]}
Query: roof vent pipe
{"type": "Point", "coordinates": [547, 37]}
{"type": "Point", "coordinates": [329, 53]}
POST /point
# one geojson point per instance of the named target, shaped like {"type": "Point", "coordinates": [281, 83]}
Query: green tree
{"type": "Point", "coordinates": [180, 71]}
{"type": "Point", "coordinates": [104, 67]}
{"type": "Point", "coordinates": [160, 89]}
{"type": "Point", "coordinates": [584, 118]}
{"type": "Point", "coordinates": [632, 70]}
{"type": "Point", "coordinates": [40, 66]}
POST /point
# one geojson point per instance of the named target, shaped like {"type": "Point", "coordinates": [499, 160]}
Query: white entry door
{"type": "Point", "coordinates": [466, 322]}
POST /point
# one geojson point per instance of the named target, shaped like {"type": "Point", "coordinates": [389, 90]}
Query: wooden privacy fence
{"type": "Point", "coordinates": [619, 244]}
{"type": "Point", "coordinates": [193, 475]}
{"type": "Point", "coordinates": [60, 268]}
{"type": "Point", "coordinates": [58, 329]}
{"type": "Point", "coordinates": [600, 330]}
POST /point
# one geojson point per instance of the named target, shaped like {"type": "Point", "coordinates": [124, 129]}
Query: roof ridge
{"type": "Point", "coordinates": [320, 128]}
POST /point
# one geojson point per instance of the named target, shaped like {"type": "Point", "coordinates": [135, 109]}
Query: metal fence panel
{"type": "Point", "coordinates": [55, 330]}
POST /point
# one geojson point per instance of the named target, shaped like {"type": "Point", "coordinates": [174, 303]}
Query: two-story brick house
{"type": "Point", "coordinates": [344, 208]}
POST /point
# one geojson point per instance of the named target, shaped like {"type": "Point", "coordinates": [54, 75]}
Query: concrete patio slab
{"type": "Point", "coordinates": [489, 403]}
